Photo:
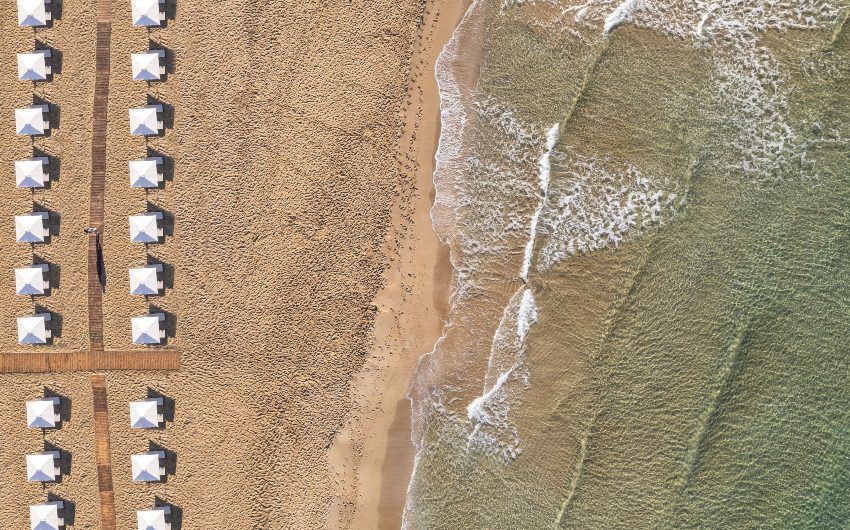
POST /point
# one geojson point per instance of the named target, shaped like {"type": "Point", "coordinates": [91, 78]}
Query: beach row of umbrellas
{"type": "Point", "coordinates": [146, 173]}
{"type": "Point", "coordinates": [34, 173]}
{"type": "Point", "coordinates": [146, 228]}
{"type": "Point", "coordinates": [46, 466]}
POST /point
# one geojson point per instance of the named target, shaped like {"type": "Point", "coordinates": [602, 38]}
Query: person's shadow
{"type": "Point", "coordinates": [101, 269]}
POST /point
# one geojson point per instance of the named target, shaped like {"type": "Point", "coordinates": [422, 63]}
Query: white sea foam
{"type": "Point", "coordinates": [545, 164]}
{"type": "Point", "coordinates": [600, 203]}
{"type": "Point", "coordinates": [703, 19]}
{"type": "Point", "coordinates": [526, 316]}
{"type": "Point", "coordinates": [622, 14]}
{"type": "Point", "coordinates": [477, 410]}
{"type": "Point", "coordinates": [544, 172]}
{"type": "Point", "coordinates": [450, 157]}
{"type": "Point", "coordinates": [484, 210]}
{"type": "Point", "coordinates": [681, 18]}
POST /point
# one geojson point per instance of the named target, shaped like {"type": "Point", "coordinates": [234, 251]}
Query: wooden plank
{"type": "Point", "coordinates": [104, 10]}
{"type": "Point", "coordinates": [102, 453]}
{"type": "Point", "coordinates": [45, 361]}
{"type": "Point", "coordinates": [153, 359]}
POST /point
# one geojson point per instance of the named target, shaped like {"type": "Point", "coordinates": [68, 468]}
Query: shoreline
{"type": "Point", "coordinates": [372, 455]}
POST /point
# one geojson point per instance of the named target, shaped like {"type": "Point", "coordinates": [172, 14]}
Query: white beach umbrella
{"type": "Point", "coordinates": [145, 173]}
{"type": "Point", "coordinates": [145, 414]}
{"type": "Point", "coordinates": [31, 120]}
{"type": "Point", "coordinates": [147, 66]}
{"type": "Point", "coordinates": [46, 516]}
{"type": "Point", "coordinates": [33, 329]}
{"type": "Point", "coordinates": [144, 281]}
{"type": "Point", "coordinates": [147, 329]}
{"type": "Point", "coordinates": [153, 519]}
{"type": "Point", "coordinates": [144, 228]}
{"type": "Point", "coordinates": [147, 12]}
{"type": "Point", "coordinates": [33, 12]}
{"type": "Point", "coordinates": [148, 467]}
{"type": "Point", "coordinates": [33, 66]}
{"type": "Point", "coordinates": [144, 121]}
{"type": "Point", "coordinates": [30, 173]}
{"type": "Point", "coordinates": [29, 281]}
{"type": "Point", "coordinates": [41, 467]}
{"type": "Point", "coordinates": [42, 414]}
{"type": "Point", "coordinates": [31, 228]}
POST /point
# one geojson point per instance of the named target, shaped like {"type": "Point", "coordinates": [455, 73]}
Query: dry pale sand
{"type": "Point", "coordinates": [71, 91]}
{"type": "Point", "coordinates": [297, 191]}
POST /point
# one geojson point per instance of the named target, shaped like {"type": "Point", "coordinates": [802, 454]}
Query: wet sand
{"type": "Point", "coordinates": [286, 208]}
{"type": "Point", "coordinates": [374, 458]}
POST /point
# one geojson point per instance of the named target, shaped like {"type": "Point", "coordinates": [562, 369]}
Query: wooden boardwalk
{"type": "Point", "coordinates": [98, 173]}
{"type": "Point", "coordinates": [102, 452]}
{"type": "Point", "coordinates": [95, 287]}
{"type": "Point", "coordinates": [46, 361]}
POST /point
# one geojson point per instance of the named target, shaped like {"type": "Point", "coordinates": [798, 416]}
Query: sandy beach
{"type": "Point", "coordinates": [373, 456]}
{"type": "Point", "coordinates": [298, 144]}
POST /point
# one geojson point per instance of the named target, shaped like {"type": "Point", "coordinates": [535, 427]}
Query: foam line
{"type": "Point", "coordinates": [544, 175]}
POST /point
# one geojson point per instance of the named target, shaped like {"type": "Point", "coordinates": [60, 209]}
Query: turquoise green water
{"type": "Point", "coordinates": [679, 356]}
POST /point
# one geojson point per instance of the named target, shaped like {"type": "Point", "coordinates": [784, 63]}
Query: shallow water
{"type": "Point", "coordinates": [648, 207]}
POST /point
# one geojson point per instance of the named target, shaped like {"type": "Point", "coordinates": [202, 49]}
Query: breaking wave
{"type": "Point", "coordinates": [544, 172]}
{"type": "Point", "coordinates": [507, 377]}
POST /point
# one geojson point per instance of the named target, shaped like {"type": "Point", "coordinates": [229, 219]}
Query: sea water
{"type": "Point", "coordinates": [647, 204]}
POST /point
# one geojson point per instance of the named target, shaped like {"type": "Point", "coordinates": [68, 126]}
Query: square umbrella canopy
{"type": "Point", "coordinates": [144, 281]}
{"type": "Point", "coordinates": [145, 414]}
{"type": "Point", "coordinates": [30, 173]}
{"type": "Point", "coordinates": [29, 281]}
{"type": "Point", "coordinates": [33, 12]}
{"type": "Point", "coordinates": [41, 467]}
{"type": "Point", "coordinates": [147, 66]}
{"type": "Point", "coordinates": [147, 12]}
{"type": "Point", "coordinates": [144, 121]}
{"type": "Point", "coordinates": [144, 228]}
{"type": "Point", "coordinates": [42, 413]}
{"type": "Point", "coordinates": [30, 120]}
{"type": "Point", "coordinates": [33, 66]}
{"type": "Point", "coordinates": [33, 329]}
{"type": "Point", "coordinates": [147, 329]}
{"type": "Point", "coordinates": [153, 519]}
{"type": "Point", "coordinates": [145, 173]}
{"type": "Point", "coordinates": [148, 467]}
{"type": "Point", "coordinates": [31, 228]}
{"type": "Point", "coordinates": [46, 516]}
